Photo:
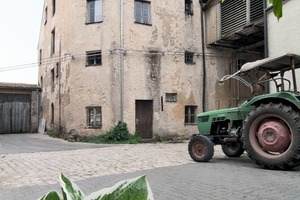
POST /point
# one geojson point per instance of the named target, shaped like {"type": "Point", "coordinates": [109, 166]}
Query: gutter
{"type": "Point", "coordinates": [266, 39]}
{"type": "Point", "coordinates": [203, 56]}
{"type": "Point", "coordinates": [122, 60]}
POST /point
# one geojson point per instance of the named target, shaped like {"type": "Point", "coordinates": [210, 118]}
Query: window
{"type": "Point", "coordinates": [45, 15]}
{"type": "Point", "coordinates": [188, 7]}
{"type": "Point", "coordinates": [52, 113]}
{"type": "Point", "coordinates": [190, 114]}
{"type": "Point", "coordinates": [142, 12]}
{"type": "Point", "coordinates": [52, 79]}
{"type": "Point", "coordinates": [53, 7]}
{"type": "Point", "coordinates": [189, 57]}
{"type": "Point", "coordinates": [94, 11]}
{"type": "Point", "coordinates": [171, 97]}
{"type": "Point", "coordinates": [40, 57]}
{"type": "Point", "coordinates": [94, 117]}
{"type": "Point", "coordinates": [53, 42]}
{"type": "Point", "coordinates": [93, 58]}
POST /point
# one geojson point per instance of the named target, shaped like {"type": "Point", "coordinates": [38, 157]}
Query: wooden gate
{"type": "Point", "coordinates": [14, 113]}
{"type": "Point", "coordinates": [144, 118]}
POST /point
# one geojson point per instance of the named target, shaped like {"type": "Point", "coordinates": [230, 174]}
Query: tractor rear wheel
{"type": "Point", "coordinates": [201, 148]}
{"type": "Point", "coordinates": [271, 136]}
{"type": "Point", "coordinates": [233, 150]}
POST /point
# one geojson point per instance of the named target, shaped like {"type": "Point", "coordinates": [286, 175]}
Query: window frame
{"type": "Point", "coordinates": [53, 42]}
{"type": "Point", "coordinates": [189, 117]}
{"type": "Point", "coordinates": [89, 9]}
{"type": "Point", "coordinates": [93, 54]}
{"type": "Point", "coordinates": [142, 14]}
{"type": "Point", "coordinates": [171, 97]}
{"type": "Point", "coordinates": [189, 57]}
{"type": "Point", "coordinates": [93, 125]}
{"type": "Point", "coordinates": [188, 7]}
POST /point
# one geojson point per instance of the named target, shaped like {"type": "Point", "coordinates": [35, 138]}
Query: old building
{"type": "Point", "coordinates": [19, 108]}
{"type": "Point", "coordinates": [152, 64]}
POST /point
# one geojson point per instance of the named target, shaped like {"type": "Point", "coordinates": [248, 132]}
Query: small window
{"type": "Point", "coordinates": [94, 11]}
{"type": "Point", "coordinates": [52, 113]}
{"type": "Point", "coordinates": [45, 15]}
{"type": "Point", "coordinates": [40, 57]}
{"type": "Point", "coordinates": [52, 79]}
{"type": "Point", "coordinates": [188, 7]}
{"type": "Point", "coordinates": [190, 114]}
{"type": "Point", "coordinates": [93, 58]}
{"type": "Point", "coordinates": [53, 42]}
{"type": "Point", "coordinates": [189, 58]}
{"type": "Point", "coordinates": [94, 117]}
{"type": "Point", "coordinates": [171, 97]}
{"type": "Point", "coordinates": [53, 7]}
{"type": "Point", "coordinates": [142, 12]}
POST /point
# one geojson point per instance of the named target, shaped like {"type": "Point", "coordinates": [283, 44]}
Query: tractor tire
{"type": "Point", "coordinates": [233, 150]}
{"type": "Point", "coordinates": [201, 148]}
{"type": "Point", "coordinates": [271, 136]}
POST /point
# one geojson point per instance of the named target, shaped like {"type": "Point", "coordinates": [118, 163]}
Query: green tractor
{"type": "Point", "coordinates": [267, 126]}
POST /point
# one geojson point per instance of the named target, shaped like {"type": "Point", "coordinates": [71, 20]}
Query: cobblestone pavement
{"type": "Point", "coordinates": [171, 173]}
{"type": "Point", "coordinates": [43, 168]}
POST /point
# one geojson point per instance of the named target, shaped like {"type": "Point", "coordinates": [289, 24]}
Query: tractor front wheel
{"type": "Point", "coordinates": [201, 149]}
{"type": "Point", "coordinates": [271, 136]}
{"type": "Point", "coordinates": [233, 150]}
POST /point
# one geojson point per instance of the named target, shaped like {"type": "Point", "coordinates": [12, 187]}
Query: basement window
{"type": "Point", "coordinates": [93, 58]}
{"type": "Point", "coordinates": [189, 57]}
{"type": "Point", "coordinates": [94, 117]}
{"type": "Point", "coordinates": [142, 12]}
{"type": "Point", "coordinates": [171, 97]}
{"type": "Point", "coordinates": [188, 7]}
{"type": "Point", "coordinates": [190, 114]}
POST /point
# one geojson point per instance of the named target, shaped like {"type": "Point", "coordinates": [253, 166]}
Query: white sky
{"type": "Point", "coordinates": [20, 25]}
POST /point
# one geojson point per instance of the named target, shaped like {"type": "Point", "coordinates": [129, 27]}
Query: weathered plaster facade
{"type": "Point", "coordinates": [153, 65]}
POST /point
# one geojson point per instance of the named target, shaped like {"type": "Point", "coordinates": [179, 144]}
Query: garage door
{"type": "Point", "coordinates": [14, 113]}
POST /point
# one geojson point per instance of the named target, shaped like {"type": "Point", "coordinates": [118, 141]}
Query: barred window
{"type": "Point", "coordinates": [189, 57]}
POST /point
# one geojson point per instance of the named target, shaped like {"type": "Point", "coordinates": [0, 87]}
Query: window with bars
{"type": "Point", "coordinates": [189, 57]}
{"type": "Point", "coordinates": [142, 12]}
{"type": "Point", "coordinates": [188, 7]}
{"type": "Point", "coordinates": [94, 117]}
{"type": "Point", "coordinates": [190, 114]}
{"type": "Point", "coordinates": [94, 11]}
{"type": "Point", "coordinates": [93, 58]}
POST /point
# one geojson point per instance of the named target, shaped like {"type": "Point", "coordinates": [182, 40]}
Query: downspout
{"type": "Point", "coordinates": [122, 60]}
{"type": "Point", "coordinates": [266, 29]}
{"type": "Point", "coordinates": [203, 57]}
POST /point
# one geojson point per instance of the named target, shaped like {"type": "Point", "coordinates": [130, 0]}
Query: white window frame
{"type": "Point", "coordinates": [142, 12]}
{"type": "Point", "coordinates": [94, 117]}
{"type": "Point", "coordinates": [94, 11]}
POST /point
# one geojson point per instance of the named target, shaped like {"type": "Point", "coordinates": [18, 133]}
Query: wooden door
{"type": "Point", "coordinates": [144, 118]}
{"type": "Point", "coordinates": [14, 113]}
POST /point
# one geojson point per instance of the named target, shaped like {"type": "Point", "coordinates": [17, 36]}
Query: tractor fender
{"type": "Point", "coordinates": [286, 98]}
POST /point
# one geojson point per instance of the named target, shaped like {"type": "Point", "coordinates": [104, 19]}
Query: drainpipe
{"type": "Point", "coordinates": [266, 39]}
{"type": "Point", "coordinates": [122, 59]}
{"type": "Point", "coordinates": [203, 56]}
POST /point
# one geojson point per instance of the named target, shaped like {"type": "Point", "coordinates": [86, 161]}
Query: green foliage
{"type": "Point", "coordinates": [53, 133]}
{"type": "Point", "coordinates": [137, 188]}
{"type": "Point", "coordinates": [117, 135]}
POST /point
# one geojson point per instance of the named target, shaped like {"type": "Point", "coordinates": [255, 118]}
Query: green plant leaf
{"type": "Point", "coordinates": [137, 188]}
{"type": "Point", "coordinates": [277, 8]}
{"type": "Point", "coordinates": [53, 195]}
{"type": "Point", "coordinates": [70, 190]}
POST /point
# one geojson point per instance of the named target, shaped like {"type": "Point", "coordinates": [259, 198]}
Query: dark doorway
{"type": "Point", "coordinates": [144, 118]}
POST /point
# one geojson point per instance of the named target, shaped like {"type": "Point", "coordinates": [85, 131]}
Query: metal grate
{"type": "Point", "coordinates": [234, 14]}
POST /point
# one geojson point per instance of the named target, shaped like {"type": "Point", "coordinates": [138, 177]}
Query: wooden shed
{"type": "Point", "coordinates": [19, 108]}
